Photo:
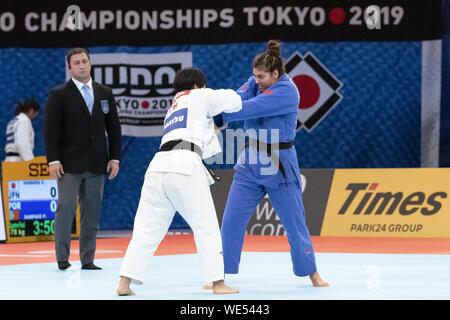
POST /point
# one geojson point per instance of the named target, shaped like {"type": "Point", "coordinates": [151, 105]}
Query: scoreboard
{"type": "Point", "coordinates": [30, 200]}
{"type": "Point", "coordinates": [32, 207]}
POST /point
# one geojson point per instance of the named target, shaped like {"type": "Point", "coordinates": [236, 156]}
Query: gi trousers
{"type": "Point", "coordinates": [164, 193]}
{"type": "Point", "coordinates": [242, 200]}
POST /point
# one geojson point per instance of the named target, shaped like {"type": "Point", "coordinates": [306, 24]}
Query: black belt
{"type": "Point", "coordinates": [181, 145]}
{"type": "Point", "coordinates": [269, 147]}
{"type": "Point", "coordinates": [186, 145]}
{"type": "Point", "coordinates": [12, 154]}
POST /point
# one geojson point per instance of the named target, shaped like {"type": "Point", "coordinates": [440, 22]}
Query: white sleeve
{"type": "Point", "coordinates": [211, 146]}
{"type": "Point", "coordinates": [223, 100]}
{"type": "Point", "coordinates": [22, 138]}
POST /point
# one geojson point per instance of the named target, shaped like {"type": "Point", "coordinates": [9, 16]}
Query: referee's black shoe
{"type": "Point", "coordinates": [63, 265]}
{"type": "Point", "coordinates": [90, 266]}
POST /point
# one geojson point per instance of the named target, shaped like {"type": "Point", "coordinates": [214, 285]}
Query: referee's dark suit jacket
{"type": "Point", "coordinates": [75, 137]}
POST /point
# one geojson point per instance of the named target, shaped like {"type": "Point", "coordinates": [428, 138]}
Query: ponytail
{"type": "Point", "coordinates": [270, 60]}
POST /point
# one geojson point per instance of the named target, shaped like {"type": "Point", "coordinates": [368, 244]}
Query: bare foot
{"type": "Point", "coordinates": [219, 287]}
{"type": "Point", "coordinates": [317, 281]}
{"type": "Point", "coordinates": [125, 292]}
{"type": "Point", "coordinates": [208, 286]}
{"type": "Point", "coordinates": [124, 287]}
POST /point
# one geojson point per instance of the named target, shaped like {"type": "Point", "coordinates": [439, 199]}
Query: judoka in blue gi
{"type": "Point", "coordinates": [269, 105]}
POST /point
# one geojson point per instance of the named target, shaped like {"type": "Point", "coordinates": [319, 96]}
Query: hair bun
{"type": "Point", "coordinates": [274, 47]}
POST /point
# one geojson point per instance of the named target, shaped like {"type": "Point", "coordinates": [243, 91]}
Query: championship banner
{"type": "Point", "coordinates": [59, 24]}
{"type": "Point", "coordinates": [389, 203]}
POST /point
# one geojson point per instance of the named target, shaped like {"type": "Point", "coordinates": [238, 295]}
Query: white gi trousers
{"type": "Point", "coordinates": [164, 193]}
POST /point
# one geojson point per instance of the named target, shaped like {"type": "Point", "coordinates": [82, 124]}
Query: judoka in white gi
{"type": "Point", "coordinates": [20, 134]}
{"type": "Point", "coordinates": [177, 180]}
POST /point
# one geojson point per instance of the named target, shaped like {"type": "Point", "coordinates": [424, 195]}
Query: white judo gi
{"type": "Point", "coordinates": [177, 180]}
{"type": "Point", "coordinates": [19, 139]}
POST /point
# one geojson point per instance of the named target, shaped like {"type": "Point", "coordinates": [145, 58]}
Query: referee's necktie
{"type": "Point", "coordinates": [88, 97]}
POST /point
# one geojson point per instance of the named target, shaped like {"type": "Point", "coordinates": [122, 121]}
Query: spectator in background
{"type": "Point", "coordinates": [19, 132]}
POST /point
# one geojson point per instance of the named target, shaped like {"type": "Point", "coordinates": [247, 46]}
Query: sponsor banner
{"type": "Point", "coordinates": [315, 196]}
{"type": "Point", "coordinates": [142, 85]}
{"type": "Point", "coordinates": [265, 221]}
{"type": "Point", "coordinates": [316, 186]}
{"type": "Point", "coordinates": [389, 203]}
{"type": "Point", "coordinates": [90, 23]}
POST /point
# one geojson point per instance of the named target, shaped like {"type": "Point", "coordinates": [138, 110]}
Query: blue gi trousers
{"type": "Point", "coordinates": [286, 199]}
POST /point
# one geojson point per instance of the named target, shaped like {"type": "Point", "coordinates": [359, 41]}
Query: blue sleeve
{"type": "Point", "coordinates": [274, 102]}
{"type": "Point", "coordinates": [218, 120]}
{"type": "Point", "coordinates": [248, 89]}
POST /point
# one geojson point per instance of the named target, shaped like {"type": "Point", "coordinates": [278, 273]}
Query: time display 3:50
{"type": "Point", "coordinates": [43, 227]}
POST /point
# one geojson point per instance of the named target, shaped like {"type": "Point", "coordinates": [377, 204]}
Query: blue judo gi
{"type": "Point", "coordinates": [275, 108]}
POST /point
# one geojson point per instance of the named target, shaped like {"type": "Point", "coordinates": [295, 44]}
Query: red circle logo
{"type": "Point", "coordinates": [145, 104]}
{"type": "Point", "coordinates": [309, 90]}
{"type": "Point", "coordinates": [337, 16]}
